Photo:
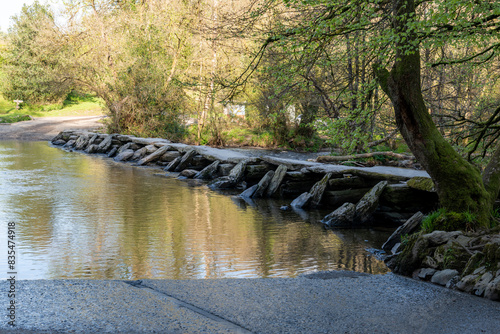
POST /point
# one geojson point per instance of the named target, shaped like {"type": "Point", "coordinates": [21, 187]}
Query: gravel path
{"type": "Point", "coordinates": [47, 128]}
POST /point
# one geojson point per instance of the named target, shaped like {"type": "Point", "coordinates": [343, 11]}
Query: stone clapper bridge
{"type": "Point", "coordinates": [358, 196]}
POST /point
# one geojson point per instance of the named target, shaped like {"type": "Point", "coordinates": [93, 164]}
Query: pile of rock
{"type": "Point", "coordinates": [381, 193]}
{"type": "Point", "coordinates": [468, 262]}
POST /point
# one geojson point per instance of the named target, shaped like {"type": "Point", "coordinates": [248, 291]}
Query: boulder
{"type": "Point", "coordinates": [348, 182]}
{"type": "Point", "coordinates": [493, 289]}
{"type": "Point", "coordinates": [91, 149]}
{"type": "Point", "coordinates": [124, 155]}
{"type": "Point", "coordinates": [209, 172]}
{"type": "Point", "coordinates": [151, 148]}
{"type": "Point", "coordinates": [224, 182]}
{"type": "Point", "coordinates": [369, 203]}
{"type": "Point", "coordinates": [318, 190]}
{"type": "Point", "coordinates": [81, 142]}
{"type": "Point", "coordinates": [238, 172]}
{"type": "Point", "coordinates": [172, 165]}
{"type": "Point", "coordinates": [127, 146]}
{"type": "Point", "coordinates": [426, 273]}
{"type": "Point", "coordinates": [467, 283]}
{"type": "Point", "coordinates": [443, 276]}
{"type": "Point", "coordinates": [396, 248]}
{"type": "Point", "coordinates": [124, 138]}
{"type": "Point", "coordinates": [473, 263]}
{"type": "Point", "coordinates": [188, 173]}
{"type": "Point", "coordinates": [225, 169]}
{"type": "Point", "coordinates": [93, 140]}
{"type": "Point", "coordinates": [263, 184]}
{"type": "Point", "coordinates": [409, 227]}
{"type": "Point", "coordinates": [343, 217]}
{"type": "Point", "coordinates": [153, 156]}
{"type": "Point", "coordinates": [301, 201]}
{"type": "Point", "coordinates": [139, 154]}
{"type": "Point", "coordinates": [437, 238]}
{"type": "Point", "coordinates": [185, 160]}
{"type": "Point", "coordinates": [59, 142]}
{"type": "Point", "coordinates": [113, 152]}
{"type": "Point", "coordinates": [275, 183]}
{"type": "Point", "coordinates": [482, 283]}
{"type": "Point", "coordinates": [169, 156]}
{"type": "Point", "coordinates": [430, 262]}
{"type": "Point", "coordinates": [105, 145]}
{"type": "Point", "coordinates": [249, 192]}
{"type": "Point", "coordinates": [421, 183]}
{"type": "Point", "coordinates": [58, 137]}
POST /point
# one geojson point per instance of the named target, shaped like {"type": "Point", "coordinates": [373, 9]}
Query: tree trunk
{"type": "Point", "coordinates": [458, 183]}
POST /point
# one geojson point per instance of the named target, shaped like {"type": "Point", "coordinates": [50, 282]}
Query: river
{"type": "Point", "coordinates": [80, 216]}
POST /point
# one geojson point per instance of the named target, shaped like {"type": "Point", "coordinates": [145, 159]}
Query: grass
{"type": "Point", "coordinates": [73, 106]}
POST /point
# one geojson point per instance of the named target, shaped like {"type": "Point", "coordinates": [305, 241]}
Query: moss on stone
{"type": "Point", "coordinates": [492, 256]}
{"type": "Point", "coordinates": [455, 257]}
{"type": "Point", "coordinates": [412, 255]}
{"type": "Point", "coordinates": [443, 220]}
{"type": "Point", "coordinates": [421, 183]}
{"type": "Point", "coordinates": [474, 262]}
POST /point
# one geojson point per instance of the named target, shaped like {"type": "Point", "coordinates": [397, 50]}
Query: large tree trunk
{"type": "Point", "coordinates": [459, 184]}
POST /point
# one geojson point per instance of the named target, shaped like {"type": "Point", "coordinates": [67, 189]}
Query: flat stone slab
{"type": "Point", "coordinates": [333, 303]}
{"type": "Point", "coordinates": [379, 172]}
{"type": "Point", "coordinates": [224, 155]}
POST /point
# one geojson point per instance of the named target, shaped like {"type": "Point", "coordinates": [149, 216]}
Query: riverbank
{"type": "Point", "coordinates": [334, 302]}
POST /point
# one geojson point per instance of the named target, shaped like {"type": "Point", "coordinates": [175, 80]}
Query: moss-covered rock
{"type": "Point", "coordinates": [421, 183]}
{"type": "Point", "coordinates": [415, 250]}
{"type": "Point", "coordinates": [492, 256]}
{"type": "Point", "coordinates": [451, 256]}
{"type": "Point", "coordinates": [474, 262]}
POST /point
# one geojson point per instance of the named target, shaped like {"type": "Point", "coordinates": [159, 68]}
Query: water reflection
{"type": "Point", "coordinates": [87, 217]}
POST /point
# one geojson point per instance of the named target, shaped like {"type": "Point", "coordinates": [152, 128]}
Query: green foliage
{"type": "Point", "coordinates": [31, 58]}
{"type": "Point", "coordinates": [405, 239]}
{"type": "Point", "coordinates": [429, 221]}
{"type": "Point", "coordinates": [444, 220]}
{"type": "Point", "coordinates": [14, 118]}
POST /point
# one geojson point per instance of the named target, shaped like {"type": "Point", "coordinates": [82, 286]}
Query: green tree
{"type": "Point", "coordinates": [135, 56]}
{"type": "Point", "coordinates": [397, 30]}
{"type": "Point", "coordinates": [31, 59]}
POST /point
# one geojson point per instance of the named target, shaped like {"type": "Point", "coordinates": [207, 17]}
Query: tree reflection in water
{"type": "Point", "coordinates": [88, 217]}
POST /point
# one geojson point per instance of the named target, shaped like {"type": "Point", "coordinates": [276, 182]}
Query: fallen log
{"type": "Point", "coordinates": [331, 158]}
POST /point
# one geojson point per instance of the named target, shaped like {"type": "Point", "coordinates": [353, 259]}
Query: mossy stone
{"type": "Point", "coordinates": [421, 183]}
{"type": "Point", "coordinates": [412, 255]}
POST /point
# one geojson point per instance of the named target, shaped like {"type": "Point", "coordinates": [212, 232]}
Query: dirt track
{"type": "Point", "coordinates": [46, 128]}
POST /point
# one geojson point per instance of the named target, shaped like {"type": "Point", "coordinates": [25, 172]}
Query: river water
{"type": "Point", "coordinates": [80, 216]}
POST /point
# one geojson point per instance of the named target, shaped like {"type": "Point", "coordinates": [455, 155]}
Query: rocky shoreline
{"type": "Point", "coordinates": [464, 261]}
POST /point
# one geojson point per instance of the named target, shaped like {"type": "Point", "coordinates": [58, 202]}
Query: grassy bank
{"type": "Point", "coordinates": [73, 106]}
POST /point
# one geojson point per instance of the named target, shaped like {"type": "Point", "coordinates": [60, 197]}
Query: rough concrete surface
{"type": "Point", "coordinates": [47, 128]}
{"type": "Point", "coordinates": [323, 303]}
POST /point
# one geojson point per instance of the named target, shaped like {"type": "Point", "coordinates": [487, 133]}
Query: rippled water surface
{"type": "Point", "coordinates": [80, 216]}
